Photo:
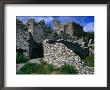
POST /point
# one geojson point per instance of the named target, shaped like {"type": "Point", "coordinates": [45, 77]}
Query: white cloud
{"type": "Point", "coordinates": [89, 27]}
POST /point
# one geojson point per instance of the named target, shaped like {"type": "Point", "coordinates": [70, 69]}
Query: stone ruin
{"type": "Point", "coordinates": [57, 54]}
{"type": "Point", "coordinates": [68, 28]}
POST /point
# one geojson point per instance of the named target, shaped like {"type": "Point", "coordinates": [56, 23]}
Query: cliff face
{"type": "Point", "coordinates": [30, 41]}
{"type": "Point", "coordinates": [22, 39]}
{"type": "Point", "coordinates": [36, 29]}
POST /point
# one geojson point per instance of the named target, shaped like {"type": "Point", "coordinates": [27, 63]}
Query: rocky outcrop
{"type": "Point", "coordinates": [22, 38]}
{"type": "Point", "coordinates": [30, 41]}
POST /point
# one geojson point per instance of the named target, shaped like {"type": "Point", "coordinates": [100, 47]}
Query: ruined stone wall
{"type": "Point", "coordinates": [58, 54]}
{"type": "Point", "coordinates": [56, 24]}
{"type": "Point", "coordinates": [69, 29]}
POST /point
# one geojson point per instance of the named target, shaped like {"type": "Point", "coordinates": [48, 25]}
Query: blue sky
{"type": "Point", "coordinates": [86, 21]}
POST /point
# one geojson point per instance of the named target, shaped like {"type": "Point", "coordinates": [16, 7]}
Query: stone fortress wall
{"type": "Point", "coordinates": [58, 54]}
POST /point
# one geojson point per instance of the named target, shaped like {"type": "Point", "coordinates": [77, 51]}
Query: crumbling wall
{"type": "Point", "coordinates": [58, 54]}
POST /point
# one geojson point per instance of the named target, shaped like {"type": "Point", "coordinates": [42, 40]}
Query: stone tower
{"type": "Point", "coordinates": [69, 27]}
{"type": "Point", "coordinates": [30, 25]}
{"type": "Point", "coordinates": [56, 24]}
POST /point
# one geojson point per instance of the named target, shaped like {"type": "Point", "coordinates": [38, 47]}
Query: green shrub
{"type": "Point", "coordinates": [27, 69]}
{"type": "Point", "coordinates": [67, 69]}
{"type": "Point", "coordinates": [30, 68]}
{"type": "Point", "coordinates": [44, 69]}
{"type": "Point", "coordinates": [21, 58]}
{"type": "Point", "coordinates": [89, 61]}
{"type": "Point", "coordinates": [50, 67]}
{"type": "Point", "coordinates": [36, 69]}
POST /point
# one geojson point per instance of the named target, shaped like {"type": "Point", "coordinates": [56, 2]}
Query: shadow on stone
{"type": "Point", "coordinates": [35, 48]}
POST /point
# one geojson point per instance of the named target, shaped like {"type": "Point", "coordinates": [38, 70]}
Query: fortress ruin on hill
{"type": "Point", "coordinates": [68, 28]}
{"type": "Point", "coordinates": [59, 52]}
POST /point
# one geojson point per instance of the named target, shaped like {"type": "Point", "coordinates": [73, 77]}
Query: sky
{"type": "Point", "coordinates": [86, 21]}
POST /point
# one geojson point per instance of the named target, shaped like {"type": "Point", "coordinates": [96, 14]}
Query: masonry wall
{"type": "Point", "coordinates": [58, 54]}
